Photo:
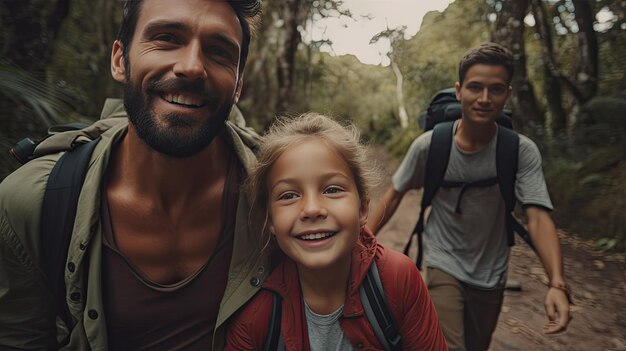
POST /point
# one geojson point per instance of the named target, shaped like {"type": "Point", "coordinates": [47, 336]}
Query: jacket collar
{"type": "Point", "coordinates": [285, 281]}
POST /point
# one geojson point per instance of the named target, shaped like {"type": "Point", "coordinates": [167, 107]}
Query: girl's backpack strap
{"type": "Point", "coordinates": [377, 310]}
{"type": "Point", "coordinates": [274, 339]}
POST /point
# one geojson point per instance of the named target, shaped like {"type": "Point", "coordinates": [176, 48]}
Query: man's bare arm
{"type": "Point", "coordinates": [385, 209]}
{"type": "Point", "coordinates": [543, 234]}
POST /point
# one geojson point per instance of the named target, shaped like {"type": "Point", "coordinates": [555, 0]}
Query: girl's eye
{"type": "Point", "coordinates": [287, 196]}
{"type": "Point", "coordinates": [333, 190]}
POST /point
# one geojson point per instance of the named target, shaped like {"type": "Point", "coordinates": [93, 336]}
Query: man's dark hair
{"type": "Point", "coordinates": [488, 54]}
{"type": "Point", "coordinates": [248, 12]}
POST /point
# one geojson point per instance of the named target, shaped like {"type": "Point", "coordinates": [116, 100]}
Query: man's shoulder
{"type": "Point", "coordinates": [526, 141]}
{"type": "Point", "coordinates": [21, 192]}
{"type": "Point", "coordinates": [528, 149]}
{"type": "Point", "coordinates": [244, 141]}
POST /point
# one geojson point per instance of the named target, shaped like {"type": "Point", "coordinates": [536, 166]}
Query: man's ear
{"type": "Point", "coordinates": [364, 211]}
{"type": "Point", "coordinates": [457, 88]}
{"type": "Point", "coordinates": [238, 88]}
{"type": "Point", "coordinates": [118, 68]}
{"type": "Point", "coordinates": [509, 91]}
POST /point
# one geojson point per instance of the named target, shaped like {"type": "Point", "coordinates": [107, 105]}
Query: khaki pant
{"type": "Point", "coordinates": [467, 315]}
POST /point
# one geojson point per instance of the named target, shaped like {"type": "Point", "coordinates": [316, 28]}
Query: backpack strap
{"type": "Point", "coordinates": [274, 339]}
{"type": "Point", "coordinates": [377, 310]}
{"type": "Point", "coordinates": [507, 153]}
{"type": "Point", "coordinates": [436, 164]}
{"type": "Point", "coordinates": [58, 213]}
{"type": "Point", "coordinates": [374, 305]}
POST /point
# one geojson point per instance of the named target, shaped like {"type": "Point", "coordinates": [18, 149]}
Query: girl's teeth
{"type": "Point", "coordinates": [316, 236]}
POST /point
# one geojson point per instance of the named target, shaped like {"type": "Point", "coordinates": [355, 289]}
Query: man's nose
{"type": "Point", "coordinates": [484, 95]}
{"type": "Point", "coordinates": [313, 208]}
{"type": "Point", "coordinates": [191, 62]}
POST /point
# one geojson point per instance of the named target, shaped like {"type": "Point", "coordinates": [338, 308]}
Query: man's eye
{"type": "Point", "coordinates": [221, 54]}
{"type": "Point", "coordinates": [474, 87]}
{"type": "Point", "coordinates": [215, 50]}
{"type": "Point", "coordinates": [166, 38]}
{"type": "Point", "coordinates": [497, 89]}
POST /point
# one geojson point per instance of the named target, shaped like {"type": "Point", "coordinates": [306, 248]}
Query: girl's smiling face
{"type": "Point", "coordinates": [315, 210]}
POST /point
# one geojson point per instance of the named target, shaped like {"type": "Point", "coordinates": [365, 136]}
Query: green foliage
{"type": "Point", "coordinates": [363, 94]}
{"type": "Point", "coordinates": [586, 173]}
{"type": "Point", "coordinates": [36, 98]}
{"type": "Point", "coordinates": [401, 139]}
{"type": "Point", "coordinates": [585, 165]}
{"type": "Point", "coordinates": [81, 61]}
{"type": "Point", "coordinates": [430, 59]}
{"type": "Point", "coordinates": [605, 244]}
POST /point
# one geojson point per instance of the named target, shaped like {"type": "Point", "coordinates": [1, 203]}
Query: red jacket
{"type": "Point", "coordinates": [405, 290]}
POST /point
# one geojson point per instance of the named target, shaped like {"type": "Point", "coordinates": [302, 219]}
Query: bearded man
{"type": "Point", "coordinates": [160, 254]}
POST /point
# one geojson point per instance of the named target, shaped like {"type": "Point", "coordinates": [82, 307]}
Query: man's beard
{"type": "Point", "coordinates": [178, 139]}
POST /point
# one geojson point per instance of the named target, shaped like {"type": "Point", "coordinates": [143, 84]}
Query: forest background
{"type": "Point", "coordinates": [569, 88]}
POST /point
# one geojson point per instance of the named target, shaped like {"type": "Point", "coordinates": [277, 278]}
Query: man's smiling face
{"type": "Point", "coordinates": [182, 77]}
{"type": "Point", "coordinates": [484, 93]}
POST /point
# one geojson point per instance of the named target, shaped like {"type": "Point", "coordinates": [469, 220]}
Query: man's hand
{"type": "Point", "coordinates": [557, 310]}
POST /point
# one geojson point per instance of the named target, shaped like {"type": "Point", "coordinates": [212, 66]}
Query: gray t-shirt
{"type": "Point", "coordinates": [325, 333]}
{"type": "Point", "coordinates": [472, 246]}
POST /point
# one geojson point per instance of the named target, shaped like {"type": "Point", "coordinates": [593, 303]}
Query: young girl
{"type": "Point", "coordinates": [311, 187]}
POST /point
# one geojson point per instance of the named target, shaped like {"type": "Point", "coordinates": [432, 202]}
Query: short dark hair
{"type": "Point", "coordinates": [488, 54]}
{"type": "Point", "coordinates": [248, 12]}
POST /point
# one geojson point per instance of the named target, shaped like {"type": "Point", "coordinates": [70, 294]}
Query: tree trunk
{"type": "Point", "coordinates": [402, 115]}
{"type": "Point", "coordinates": [31, 28]}
{"type": "Point", "coordinates": [288, 45]}
{"type": "Point", "coordinates": [509, 31]}
{"type": "Point", "coordinates": [588, 48]}
{"type": "Point", "coordinates": [551, 72]}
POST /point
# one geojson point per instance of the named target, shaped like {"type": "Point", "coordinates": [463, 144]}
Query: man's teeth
{"type": "Point", "coordinates": [183, 100]}
{"type": "Point", "coordinates": [316, 236]}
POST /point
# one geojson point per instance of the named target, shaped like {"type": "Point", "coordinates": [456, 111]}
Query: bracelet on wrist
{"type": "Point", "coordinates": [565, 289]}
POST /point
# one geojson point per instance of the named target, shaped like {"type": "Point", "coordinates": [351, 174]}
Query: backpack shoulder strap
{"type": "Point", "coordinates": [436, 165]}
{"type": "Point", "coordinates": [507, 151]}
{"type": "Point", "coordinates": [377, 310]}
{"type": "Point", "coordinates": [57, 219]}
{"type": "Point", "coordinates": [507, 154]}
{"type": "Point", "coordinates": [437, 160]}
{"type": "Point", "coordinates": [274, 339]}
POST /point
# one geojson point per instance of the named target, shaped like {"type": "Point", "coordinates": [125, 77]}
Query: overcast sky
{"type": "Point", "coordinates": [352, 36]}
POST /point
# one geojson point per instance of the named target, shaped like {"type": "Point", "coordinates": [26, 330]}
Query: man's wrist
{"type": "Point", "coordinates": [564, 288]}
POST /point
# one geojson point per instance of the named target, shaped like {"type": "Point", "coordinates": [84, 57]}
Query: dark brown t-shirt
{"type": "Point", "coordinates": [145, 315]}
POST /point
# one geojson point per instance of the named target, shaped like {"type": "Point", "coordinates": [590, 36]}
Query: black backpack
{"type": "Point", "coordinates": [58, 213]}
{"type": "Point", "coordinates": [444, 109]}
{"type": "Point", "coordinates": [374, 305]}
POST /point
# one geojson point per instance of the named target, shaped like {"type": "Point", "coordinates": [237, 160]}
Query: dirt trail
{"type": "Point", "coordinates": [598, 284]}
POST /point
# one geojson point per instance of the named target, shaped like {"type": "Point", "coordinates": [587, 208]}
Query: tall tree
{"type": "Point", "coordinates": [587, 48]}
{"type": "Point", "coordinates": [30, 28]}
{"type": "Point", "coordinates": [288, 41]}
{"type": "Point", "coordinates": [509, 31]}
{"type": "Point", "coordinates": [551, 72]}
{"type": "Point", "coordinates": [395, 36]}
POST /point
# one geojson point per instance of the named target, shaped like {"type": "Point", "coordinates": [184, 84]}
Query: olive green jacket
{"type": "Point", "coordinates": [27, 315]}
